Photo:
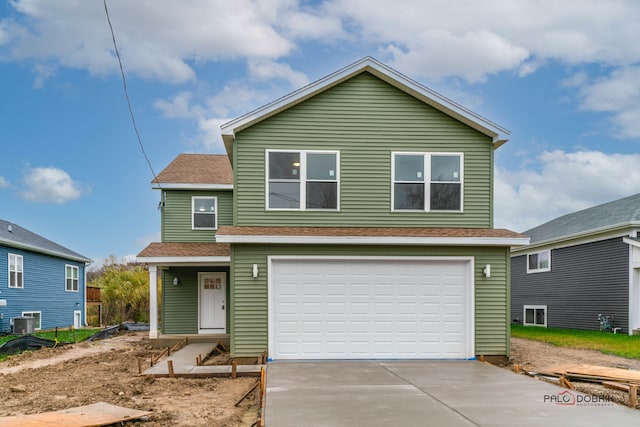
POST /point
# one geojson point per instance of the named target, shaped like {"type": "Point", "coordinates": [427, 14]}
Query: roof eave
{"type": "Point", "coordinates": [583, 234]}
{"type": "Point", "coordinates": [189, 186]}
{"type": "Point", "coordinates": [374, 240]}
{"type": "Point", "coordinates": [37, 249]}
{"type": "Point", "coordinates": [185, 260]}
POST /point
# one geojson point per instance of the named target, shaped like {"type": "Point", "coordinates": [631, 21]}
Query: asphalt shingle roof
{"type": "Point", "coordinates": [618, 212]}
{"type": "Point", "coordinates": [185, 249]}
{"type": "Point", "coordinates": [15, 236]}
{"type": "Point", "coordinates": [197, 169]}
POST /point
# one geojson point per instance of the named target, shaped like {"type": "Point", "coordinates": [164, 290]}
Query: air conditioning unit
{"type": "Point", "coordinates": [23, 325]}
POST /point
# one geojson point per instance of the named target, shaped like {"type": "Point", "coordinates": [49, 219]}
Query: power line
{"type": "Point", "coordinates": [126, 95]}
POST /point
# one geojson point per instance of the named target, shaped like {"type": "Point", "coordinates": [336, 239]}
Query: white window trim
{"type": "Point", "coordinates": [73, 267]}
{"type": "Point", "coordinates": [27, 313]}
{"type": "Point", "coordinates": [14, 272]}
{"type": "Point", "coordinates": [533, 307]}
{"type": "Point", "coordinates": [427, 183]}
{"type": "Point", "coordinates": [302, 180]}
{"type": "Point", "coordinates": [193, 212]}
{"type": "Point", "coordinates": [538, 270]}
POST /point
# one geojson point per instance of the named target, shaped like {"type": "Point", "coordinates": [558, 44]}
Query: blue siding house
{"type": "Point", "coordinates": [39, 279]}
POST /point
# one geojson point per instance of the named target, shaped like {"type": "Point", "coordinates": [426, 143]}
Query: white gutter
{"type": "Point", "coordinates": [18, 245]}
{"type": "Point", "coordinates": [181, 186]}
{"type": "Point", "coordinates": [583, 234]}
{"type": "Point", "coordinates": [185, 260]}
{"type": "Point", "coordinates": [374, 240]}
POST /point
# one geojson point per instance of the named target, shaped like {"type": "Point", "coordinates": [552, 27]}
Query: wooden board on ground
{"type": "Point", "coordinates": [593, 373]}
{"type": "Point", "coordinates": [98, 414]}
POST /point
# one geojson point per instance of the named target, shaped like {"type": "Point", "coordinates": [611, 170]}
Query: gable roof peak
{"type": "Point", "coordinates": [498, 134]}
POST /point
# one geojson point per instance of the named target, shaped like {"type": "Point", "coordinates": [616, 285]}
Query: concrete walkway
{"type": "Point", "coordinates": [184, 364]}
{"type": "Point", "coordinates": [425, 393]}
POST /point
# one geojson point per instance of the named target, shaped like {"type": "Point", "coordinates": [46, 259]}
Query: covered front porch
{"type": "Point", "coordinates": [188, 290]}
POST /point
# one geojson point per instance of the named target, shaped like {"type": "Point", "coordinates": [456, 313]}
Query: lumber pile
{"type": "Point", "coordinates": [614, 378]}
{"type": "Point", "coordinates": [592, 373]}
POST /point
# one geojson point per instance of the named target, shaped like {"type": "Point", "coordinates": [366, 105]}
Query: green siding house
{"type": "Point", "coordinates": [351, 219]}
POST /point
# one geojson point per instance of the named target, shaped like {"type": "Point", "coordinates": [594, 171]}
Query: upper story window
{"type": "Point", "coordinates": [71, 278]}
{"type": "Point", "coordinates": [16, 272]}
{"type": "Point", "coordinates": [303, 180]}
{"type": "Point", "coordinates": [205, 213]}
{"type": "Point", "coordinates": [427, 181]}
{"type": "Point", "coordinates": [538, 262]}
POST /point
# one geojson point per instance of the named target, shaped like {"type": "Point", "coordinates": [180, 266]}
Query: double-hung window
{"type": "Point", "coordinates": [71, 278]}
{"type": "Point", "coordinates": [427, 181]}
{"type": "Point", "coordinates": [16, 273]}
{"type": "Point", "coordinates": [539, 262]}
{"type": "Point", "coordinates": [204, 213]}
{"type": "Point", "coordinates": [303, 180]}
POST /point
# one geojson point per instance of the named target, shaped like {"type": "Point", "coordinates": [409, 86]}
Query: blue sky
{"type": "Point", "coordinates": [563, 77]}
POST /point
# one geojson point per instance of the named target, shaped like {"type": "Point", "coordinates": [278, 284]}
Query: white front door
{"type": "Point", "coordinates": [213, 302]}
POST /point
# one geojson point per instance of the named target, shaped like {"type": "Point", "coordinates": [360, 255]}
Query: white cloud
{"type": "Point", "coordinates": [619, 95]}
{"type": "Point", "coordinates": [208, 113]}
{"type": "Point", "coordinates": [576, 80]}
{"type": "Point", "coordinates": [563, 183]}
{"type": "Point", "coordinates": [3, 182]}
{"type": "Point", "coordinates": [50, 185]}
{"type": "Point", "coordinates": [433, 38]}
{"type": "Point", "coordinates": [269, 70]}
{"type": "Point", "coordinates": [143, 241]}
{"type": "Point", "coordinates": [155, 42]}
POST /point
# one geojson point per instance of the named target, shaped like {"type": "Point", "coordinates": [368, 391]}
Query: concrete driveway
{"type": "Point", "coordinates": [425, 393]}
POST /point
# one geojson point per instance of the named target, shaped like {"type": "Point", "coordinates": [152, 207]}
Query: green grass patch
{"type": "Point", "coordinates": [604, 342]}
{"type": "Point", "coordinates": [66, 335]}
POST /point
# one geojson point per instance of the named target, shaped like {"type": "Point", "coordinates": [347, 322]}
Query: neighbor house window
{"type": "Point", "coordinates": [16, 272]}
{"type": "Point", "coordinates": [539, 261]}
{"type": "Point", "coordinates": [204, 213]}
{"type": "Point", "coordinates": [427, 182]}
{"type": "Point", "coordinates": [535, 315]}
{"type": "Point", "coordinates": [302, 180]}
{"type": "Point", "coordinates": [37, 317]}
{"type": "Point", "coordinates": [71, 278]}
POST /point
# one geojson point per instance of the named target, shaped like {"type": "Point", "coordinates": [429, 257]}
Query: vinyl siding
{"type": "Point", "coordinates": [584, 281]}
{"type": "Point", "coordinates": [176, 215]}
{"type": "Point", "coordinates": [365, 119]}
{"type": "Point", "coordinates": [180, 303]}
{"type": "Point", "coordinates": [249, 300]}
{"type": "Point", "coordinates": [44, 290]}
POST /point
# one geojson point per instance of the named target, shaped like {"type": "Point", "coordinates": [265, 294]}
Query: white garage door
{"type": "Point", "coordinates": [370, 309]}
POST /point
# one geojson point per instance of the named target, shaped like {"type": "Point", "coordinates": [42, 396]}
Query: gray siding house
{"type": "Point", "coordinates": [579, 266]}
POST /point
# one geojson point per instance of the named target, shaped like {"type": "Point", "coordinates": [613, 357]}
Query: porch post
{"type": "Point", "coordinates": [153, 302]}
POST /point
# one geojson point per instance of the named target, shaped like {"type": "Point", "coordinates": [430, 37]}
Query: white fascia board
{"type": "Point", "coordinates": [497, 133]}
{"type": "Point", "coordinates": [374, 240]}
{"type": "Point", "coordinates": [186, 260]}
{"type": "Point", "coordinates": [179, 186]}
{"type": "Point", "coordinates": [594, 235]}
{"type": "Point", "coordinates": [631, 242]}
{"type": "Point", "coordinates": [37, 249]}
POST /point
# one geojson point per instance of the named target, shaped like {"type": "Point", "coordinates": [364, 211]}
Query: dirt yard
{"type": "Point", "coordinates": [107, 371]}
{"type": "Point", "coordinates": [534, 356]}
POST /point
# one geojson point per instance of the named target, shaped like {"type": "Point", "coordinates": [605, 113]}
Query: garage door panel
{"type": "Point", "coordinates": [369, 309]}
